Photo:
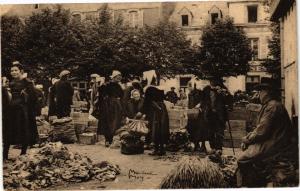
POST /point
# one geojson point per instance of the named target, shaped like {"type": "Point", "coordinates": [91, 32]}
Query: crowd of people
{"type": "Point", "coordinates": [273, 139]}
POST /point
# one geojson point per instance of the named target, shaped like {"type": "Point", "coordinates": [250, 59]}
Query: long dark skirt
{"type": "Point", "coordinates": [20, 126]}
{"type": "Point", "coordinates": [159, 124]}
{"type": "Point", "coordinates": [198, 128]}
{"type": "Point", "coordinates": [111, 117]}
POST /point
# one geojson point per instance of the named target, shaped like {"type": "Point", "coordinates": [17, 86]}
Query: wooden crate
{"type": "Point", "coordinates": [236, 143]}
{"type": "Point", "coordinates": [235, 134]}
{"type": "Point", "coordinates": [91, 129]}
{"type": "Point", "coordinates": [80, 128]}
{"type": "Point", "coordinates": [88, 138]}
{"type": "Point", "coordinates": [237, 125]}
{"type": "Point", "coordinates": [177, 118]}
{"type": "Point", "coordinates": [238, 114]}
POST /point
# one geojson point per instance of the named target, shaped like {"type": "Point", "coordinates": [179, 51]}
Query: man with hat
{"type": "Point", "coordinates": [171, 96]}
{"type": "Point", "coordinates": [63, 92]}
{"type": "Point", "coordinates": [218, 116]}
{"type": "Point", "coordinates": [270, 150]}
{"type": "Point", "coordinates": [94, 90]}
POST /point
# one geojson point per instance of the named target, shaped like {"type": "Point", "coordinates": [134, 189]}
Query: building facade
{"type": "Point", "coordinates": [251, 15]}
{"type": "Point", "coordinates": [284, 11]}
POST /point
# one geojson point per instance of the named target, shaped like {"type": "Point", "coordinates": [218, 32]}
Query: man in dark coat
{"type": "Point", "coordinates": [63, 92]}
{"type": "Point", "coordinates": [171, 96]}
{"type": "Point", "coordinates": [270, 151]}
{"type": "Point", "coordinates": [218, 117]}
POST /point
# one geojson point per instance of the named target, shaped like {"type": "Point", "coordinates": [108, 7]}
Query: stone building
{"type": "Point", "coordinates": [251, 15]}
{"type": "Point", "coordinates": [284, 11]}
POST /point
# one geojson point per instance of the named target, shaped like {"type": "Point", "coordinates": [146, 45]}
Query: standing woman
{"type": "Point", "coordinates": [194, 124]}
{"type": "Point", "coordinates": [22, 127]}
{"type": "Point", "coordinates": [157, 115]}
{"type": "Point", "coordinates": [111, 109]}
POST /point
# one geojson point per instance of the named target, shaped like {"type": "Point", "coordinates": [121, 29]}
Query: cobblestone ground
{"type": "Point", "coordinates": [152, 169]}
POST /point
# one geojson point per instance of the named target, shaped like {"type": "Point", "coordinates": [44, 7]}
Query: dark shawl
{"type": "Point", "coordinates": [110, 107]}
{"type": "Point", "coordinates": [21, 128]}
{"type": "Point", "coordinates": [157, 115]}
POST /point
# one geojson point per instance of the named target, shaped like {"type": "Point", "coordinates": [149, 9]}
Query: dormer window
{"type": "Point", "coordinates": [76, 17]}
{"type": "Point", "coordinates": [186, 17]}
{"type": "Point", "coordinates": [184, 20]}
{"type": "Point", "coordinates": [214, 17]}
{"type": "Point", "coordinates": [215, 14]}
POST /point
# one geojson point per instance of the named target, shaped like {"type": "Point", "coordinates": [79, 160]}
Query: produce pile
{"type": "Point", "coordinates": [194, 172]}
{"type": "Point", "coordinates": [53, 164]}
{"type": "Point", "coordinates": [179, 139]}
{"type": "Point", "coordinates": [228, 166]}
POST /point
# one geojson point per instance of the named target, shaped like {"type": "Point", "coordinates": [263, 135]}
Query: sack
{"type": "Point", "coordinates": [138, 127]}
{"type": "Point", "coordinates": [64, 133]}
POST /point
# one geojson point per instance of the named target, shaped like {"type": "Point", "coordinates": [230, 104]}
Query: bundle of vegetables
{"type": "Point", "coordinates": [138, 127]}
{"type": "Point", "coordinates": [53, 164]}
{"type": "Point", "coordinates": [179, 139]}
{"type": "Point", "coordinates": [228, 166]}
{"type": "Point", "coordinates": [194, 172]}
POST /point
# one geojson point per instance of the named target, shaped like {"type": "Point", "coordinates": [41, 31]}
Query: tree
{"type": "Point", "coordinates": [165, 48]}
{"type": "Point", "coordinates": [12, 30]}
{"type": "Point", "coordinates": [225, 50]}
{"type": "Point", "coordinates": [273, 62]}
{"type": "Point", "coordinates": [51, 42]}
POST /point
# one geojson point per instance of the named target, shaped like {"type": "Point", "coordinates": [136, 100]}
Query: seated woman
{"type": "Point", "coordinates": [134, 105]}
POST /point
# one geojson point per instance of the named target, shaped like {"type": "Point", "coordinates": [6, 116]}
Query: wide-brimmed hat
{"type": "Point", "coordinates": [115, 73]}
{"type": "Point", "coordinates": [39, 86]}
{"type": "Point", "coordinates": [64, 72]}
{"type": "Point", "coordinates": [54, 80]}
{"type": "Point", "coordinates": [95, 76]}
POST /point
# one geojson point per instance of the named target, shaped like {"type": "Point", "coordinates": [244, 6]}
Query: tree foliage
{"type": "Point", "coordinates": [12, 30]}
{"type": "Point", "coordinates": [51, 40]}
{"type": "Point", "coordinates": [273, 62]}
{"type": "Point", "coordinates": [225, 50]}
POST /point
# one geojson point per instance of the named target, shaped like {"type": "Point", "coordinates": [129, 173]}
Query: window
{"type": "Point", "coordinates": [183, 82]}
{"type": "Point", "coordinates": [252, 14]}
{"type": "Point", "coordinates": [251, 82]}
{"type": "Point", "coordinates": [185, 20]}
{"type": "Point", "coordinates": [133, 19]}
{"type": "Point", "coordinates": [254, 48]}
{"type": "Point", "coordinates": [214, 17]}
